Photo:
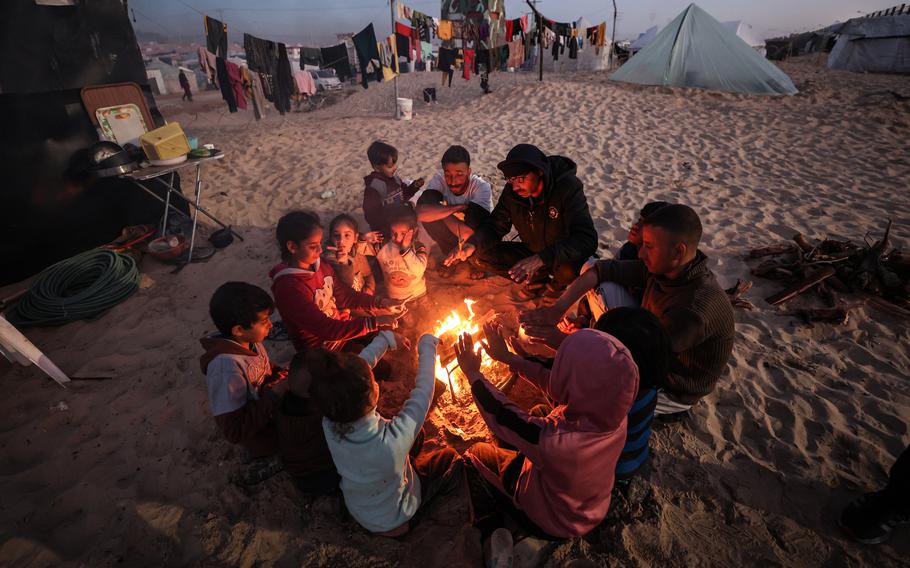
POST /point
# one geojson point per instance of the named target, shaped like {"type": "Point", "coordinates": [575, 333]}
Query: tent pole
{"type": "Point", "coordinates": [539, 19]}
{"type": "Point", "coordinates": [613, 37]}
{"type": "Point", "coordinates": [392, 13]}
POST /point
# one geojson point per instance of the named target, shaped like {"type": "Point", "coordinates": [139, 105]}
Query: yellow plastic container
{"type": "Point", "coordinates": [165, 143]}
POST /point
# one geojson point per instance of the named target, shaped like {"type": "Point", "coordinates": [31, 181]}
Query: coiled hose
{"type": "Point", "coordinates": [80, 287]}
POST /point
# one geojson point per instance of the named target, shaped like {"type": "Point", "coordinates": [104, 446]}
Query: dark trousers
{"type": "Point", "coordinates": [474, 216]}
{"type": "Point", "coordinates": [502, 256]}
{"type": "Point", "coordinates": [488, 503]}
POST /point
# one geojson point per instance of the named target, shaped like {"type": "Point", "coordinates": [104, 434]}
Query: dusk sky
{"type": "Point", "coordinates": [316, 22]}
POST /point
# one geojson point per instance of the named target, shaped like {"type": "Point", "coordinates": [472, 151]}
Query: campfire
{"type": "Point", "coordinates": [457, 409]}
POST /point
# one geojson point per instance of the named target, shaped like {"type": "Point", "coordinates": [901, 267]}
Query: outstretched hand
{"type": "Point", "coordinates": [541, 316]}
{"type": "Point", "coordinates": [495, 344]}
{"type": "Point", "coordinates": [548, 335]}
{"type": "Point", "coordinates": [468, 358]}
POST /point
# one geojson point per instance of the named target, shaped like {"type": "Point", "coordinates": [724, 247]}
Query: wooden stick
{"type": "Point", "coordinates": [800, 287]}
{"type": "Point", "coordinates": [773, 250]}
{"type": "Point", "coordinates": [885, 305]}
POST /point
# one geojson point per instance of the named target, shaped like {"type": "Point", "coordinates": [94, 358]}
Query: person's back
{"type": "Point", "coordinates": [569, 456]}
{"type": "Point", "coordinates": [381, 487]}
{"type": "Point", "coordinates": [646, 339]}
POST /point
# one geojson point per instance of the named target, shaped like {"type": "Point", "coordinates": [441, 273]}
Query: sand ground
{"type": "Point", "coordinates": [134, 473]}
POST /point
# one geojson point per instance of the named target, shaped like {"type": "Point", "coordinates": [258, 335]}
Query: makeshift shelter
{"type": "Point", "coordinates": [873, 45]}
{"type": "Point", "coordinates": [780, 48]}
{"type": "Point", "coordinates": [747, 34]}
{"type": "Point", "coordinates": [644, 39]}
{"type": "Point", "coordinates": [695, 50]}
{"type": "Point", "coordinates": [52, 209]}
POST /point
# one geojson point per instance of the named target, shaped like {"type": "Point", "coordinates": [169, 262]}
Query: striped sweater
{"type": "Point", "coordinates": [698, 317]}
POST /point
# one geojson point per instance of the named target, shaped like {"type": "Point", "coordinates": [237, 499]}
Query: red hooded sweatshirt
{"type": "Point", "coordinates": [570, 455]}
{"type": "Point", "coordinates": [310, 301]}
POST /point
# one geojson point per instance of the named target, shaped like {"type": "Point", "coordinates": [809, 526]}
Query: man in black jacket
{"type": "Point", "coordinates": [546, 204]}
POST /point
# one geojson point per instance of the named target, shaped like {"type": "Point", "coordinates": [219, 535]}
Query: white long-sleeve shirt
{"type": "Point", "coordinates": [380, 487]}
{"type": "Point", "coordinates": [404, 271]}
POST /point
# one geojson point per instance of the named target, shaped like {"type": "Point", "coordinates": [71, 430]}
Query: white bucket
{"type": "Point", "coordinates": [405, 107]}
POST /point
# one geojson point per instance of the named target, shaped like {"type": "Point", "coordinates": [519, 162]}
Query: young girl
{"type": "Point", "coordinates": [348, 252]}
{"type": "Point", "coordinates": [310, 297]}
{"type": "Point", "coordinates": [382, 485]}
{"type": "Point", "coordinates": [561, 475]}
{"type": "Point", "coordinates": [404, 259]}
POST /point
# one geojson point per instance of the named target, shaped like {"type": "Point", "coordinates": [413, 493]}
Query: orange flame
{"type": "Point", "coordinates": [449, 330]}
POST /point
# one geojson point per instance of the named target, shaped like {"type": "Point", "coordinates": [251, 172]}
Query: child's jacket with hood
{"type": "Point", "coordinates": [569, 456]}
{"type": "Point", "coordinates": [310, 301]}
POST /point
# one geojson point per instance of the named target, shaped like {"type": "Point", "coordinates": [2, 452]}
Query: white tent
{"type": "Point", "coordinates": [644, 39]}
{"type": "Point", "coordinates": [747, 34]}
{"type": "Point", "coordinates": [873, 45]}
{"type": "Point", "coordinates": [695, 50]}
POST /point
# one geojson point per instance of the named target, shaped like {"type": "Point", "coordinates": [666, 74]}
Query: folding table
{"type": "Point", "coordinates": [157, 173]}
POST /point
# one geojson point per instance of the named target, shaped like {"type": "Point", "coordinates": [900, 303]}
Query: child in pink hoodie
{"type": "Point", "coordinates": [562, 473]}
{"type": "Point", "coordinates": [313, 302]}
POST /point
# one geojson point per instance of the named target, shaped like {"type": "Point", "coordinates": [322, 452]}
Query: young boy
{"type": "Point", "coordinates": [244, 387]}
{"type": "Point", "coordinates": [383, 187]}
{"type": "Point", "coordinates": [404, 259]}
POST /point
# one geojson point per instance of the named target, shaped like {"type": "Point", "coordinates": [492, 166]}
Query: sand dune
{"type": "Point", "coordinates": [134, 473]}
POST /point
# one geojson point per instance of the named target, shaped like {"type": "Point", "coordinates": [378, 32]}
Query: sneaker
{"type": "Point", "coordinates": [871, 519]}
{"type": "Point", "coordinates": [498, 549]}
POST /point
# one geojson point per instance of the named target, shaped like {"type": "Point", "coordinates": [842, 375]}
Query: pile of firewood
{"type": "Point", "coordinates": [838, 271]}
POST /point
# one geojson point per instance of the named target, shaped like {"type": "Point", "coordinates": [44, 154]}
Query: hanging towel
{"type": "Point", "coordinates": [336, 57]}
{"type": "Point", "coordinates": [468, 63]}
{"type": "Point", "coordinates": [368, 55]}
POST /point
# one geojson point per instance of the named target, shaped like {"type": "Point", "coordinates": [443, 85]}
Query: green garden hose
{"type": "Point", "coordinates": [81, 287]}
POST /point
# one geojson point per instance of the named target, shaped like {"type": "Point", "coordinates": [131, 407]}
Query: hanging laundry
{"type": "Point", "coordinates": [516, 53]}
{"type": "Point", "coordinates": [252, 88]}
{"type": "Point", "coordinates": [224, 82]}
{"type": "Point", "coordinates": [367, 55]}
{"type": "Point", "coordinates": [446, 58]}
{"type": "Point", "coordinates": [207, 63]}
{"type": "Point", "coordinates": [509, 28]}
{"type": "Point", "coordinates": [336, 57]}
{"type": "Point", "coordinates": [573, 48]}
{"type": "Point", "coordinates": [524, 23]}
{"type": "Point", "coordinates": [216, 38]}
{"type": "Point", "coordinates": [310, 56]}
{"type": "Point", "coordinates": [504, 53]}
{"type": "Point", "coordinates": [404, 12]}
{"type": "Point", "coordinates": [426, 50]}
{"type": "Point", "coordinates": [444, 31]}
{"type": "Point", "coordinates": [403, 44]}
{"type": "Point", "coordinates": [388, 57]}
{"type": "Point", "coordinates": [483, 61]}
{"type": "Point", "coordinates": [284, 80]}
{"type": "Point", "coordinates": [468, 63]}
{"type": "Point", "coordinates": [403, 29]}
{"type": "Point", "coordinates": [304, 83]}
{"type": "Point", "coordinates": [236, 81]}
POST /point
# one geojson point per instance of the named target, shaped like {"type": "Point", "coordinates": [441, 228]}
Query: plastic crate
{"type": "Point", "coordinates": [165, 143]}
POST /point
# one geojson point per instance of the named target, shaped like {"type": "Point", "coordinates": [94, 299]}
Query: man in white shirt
{"type": "Point", "coordinates": [454, 205]}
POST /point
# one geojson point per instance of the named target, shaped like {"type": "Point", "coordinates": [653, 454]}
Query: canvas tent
{"type": "Point", "coordinates": [644, 39]}
{"type": "Point", "coordinates": [873, 45]}
{"type": "Point", "coordinates": [695, 50]}
{"type": "Point", "coordinates": [747, 34]}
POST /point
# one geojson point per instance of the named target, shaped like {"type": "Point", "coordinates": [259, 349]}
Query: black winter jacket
{"type": "Point", "coordinates": [557, 225]}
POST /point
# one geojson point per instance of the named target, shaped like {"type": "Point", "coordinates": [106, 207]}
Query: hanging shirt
{"type": "Point", "coordinates": [444, 31]}
{"type": "Point", "coordinates": [368, 55]}
{"type": "Point", "coordinates": [216, 38]}
{"type": "Point", "coordinates": [468, 63]}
